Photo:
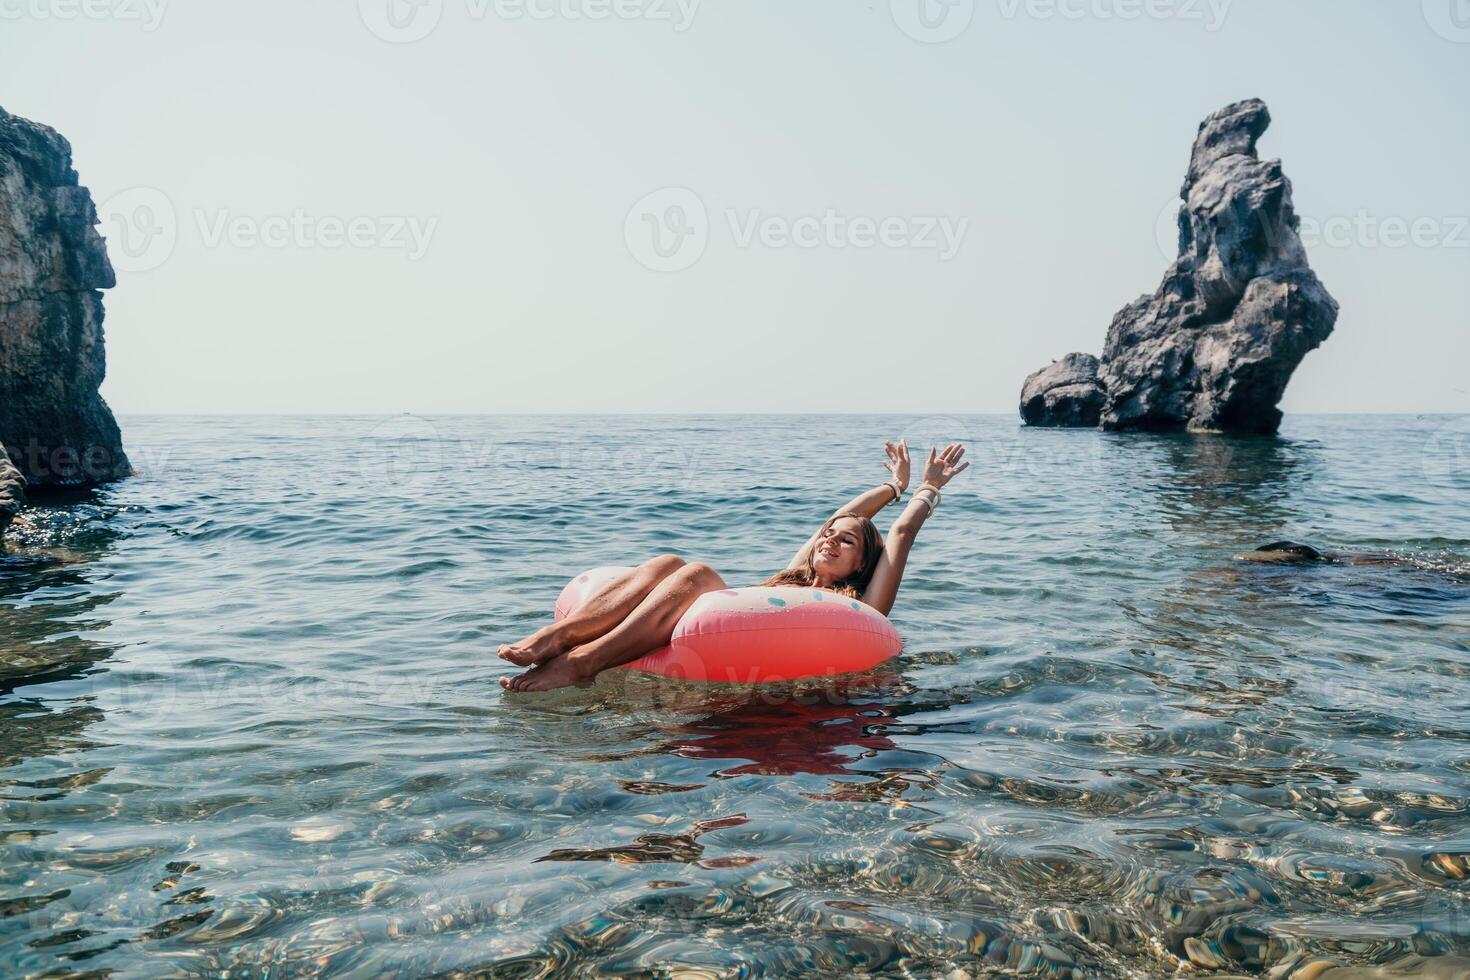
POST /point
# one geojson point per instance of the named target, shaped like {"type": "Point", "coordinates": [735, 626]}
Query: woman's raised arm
{"type": "Point", "coordinates": [869, 502]}
{"type": "Point", "coordinates": [939, 470]}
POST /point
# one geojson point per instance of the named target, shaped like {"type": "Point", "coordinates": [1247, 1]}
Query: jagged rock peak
{"type": "Point", "coordinates": [1213, 348]}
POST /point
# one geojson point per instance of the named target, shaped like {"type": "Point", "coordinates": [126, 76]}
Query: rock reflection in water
{"type": "Point", "coordinates": [49, 601]}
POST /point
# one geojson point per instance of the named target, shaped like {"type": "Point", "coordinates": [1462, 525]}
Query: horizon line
{"type": "Point", "coordinates": [723, 414]}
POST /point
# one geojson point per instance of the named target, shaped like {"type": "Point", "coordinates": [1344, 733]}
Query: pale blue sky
{"type": "Point", "coordinates": [1047, 137]}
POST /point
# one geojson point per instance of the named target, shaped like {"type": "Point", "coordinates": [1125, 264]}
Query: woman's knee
{"type": "Point", "coordinates": [664, 565]}
{"type": "Point", "coordinates": [702, 574]}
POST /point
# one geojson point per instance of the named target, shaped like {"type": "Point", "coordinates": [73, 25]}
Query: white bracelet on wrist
{"type": "Point", "coordinates": [928, 496]}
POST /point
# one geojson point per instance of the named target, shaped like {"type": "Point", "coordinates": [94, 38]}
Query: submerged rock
{"type": "Point", "coordinates": [12, 491]}
{"type": "Point", "coordinates": [1284, 553]}
{"type": "Point", "coordinates": [1214, 347]}
{"type": "Point", "coordinates": [1064, 393]}
{"type": "Point", "coordinates": [1292, 553]}
{"type": "Point", "coordinates": [53, 263]}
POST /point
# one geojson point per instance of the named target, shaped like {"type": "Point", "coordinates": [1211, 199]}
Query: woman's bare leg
{"type": "Point", "coordinates": [646, 628]}
{"type": "Point", "coordinates": [604, 609]}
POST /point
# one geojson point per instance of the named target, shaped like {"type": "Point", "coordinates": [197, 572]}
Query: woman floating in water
{"type": "Point", "coordinates": [636, 612]}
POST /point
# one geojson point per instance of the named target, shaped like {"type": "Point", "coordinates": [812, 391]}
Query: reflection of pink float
{"type": "Point", "coordinates": [780, 737]}
{"type": "Point", "coordinates": [754, 635]}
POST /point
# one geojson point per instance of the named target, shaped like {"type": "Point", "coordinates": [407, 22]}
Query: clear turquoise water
{"type": "Point", "coordinates": [250, 718]}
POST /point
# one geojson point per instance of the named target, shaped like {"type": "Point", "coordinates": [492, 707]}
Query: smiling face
{"type": "Point", "coordinates": [839, 552]}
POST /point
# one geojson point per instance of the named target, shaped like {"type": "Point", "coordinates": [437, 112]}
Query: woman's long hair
{"type": "Point", "coordinates": [854, 584]}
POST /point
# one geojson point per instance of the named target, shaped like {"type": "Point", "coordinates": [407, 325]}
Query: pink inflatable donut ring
{"type": "Point", "coordinates": [758, 635]}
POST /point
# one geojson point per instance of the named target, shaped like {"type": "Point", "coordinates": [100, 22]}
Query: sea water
{"type": "Point", "coordinates": [250, 718]}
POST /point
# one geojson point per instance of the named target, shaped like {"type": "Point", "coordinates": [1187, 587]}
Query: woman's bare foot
{"type": "Point", "coordinates": [557, 672]}
{"type": "Point", "coordinates": [537, 648]}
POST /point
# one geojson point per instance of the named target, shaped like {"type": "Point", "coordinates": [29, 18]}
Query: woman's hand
{"type": "Point", "coordinates": [945, 466]}
{"type": "Point", "coordinates": [898, 463]}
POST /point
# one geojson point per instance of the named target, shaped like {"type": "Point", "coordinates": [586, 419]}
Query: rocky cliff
{"type": "Point", "coordinates": [56, 428]}
{"type": "Point", "coordinates": [1214, 347]}
{"type": "Point", "coordinates": [12, 492]}
{"type": "Point", "coordinates": [1064, 393]}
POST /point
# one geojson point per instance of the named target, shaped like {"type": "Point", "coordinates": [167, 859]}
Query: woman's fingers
{"type": "Point", "coordinates": [956, 467]}
{"type": "Point", "coordinates": [948, 462]}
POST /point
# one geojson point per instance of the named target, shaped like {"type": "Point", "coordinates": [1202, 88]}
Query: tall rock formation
{"type": "Point", "coordinates": [1214, 347]}
{"type": "Point", "coordinates": [55, 426]}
